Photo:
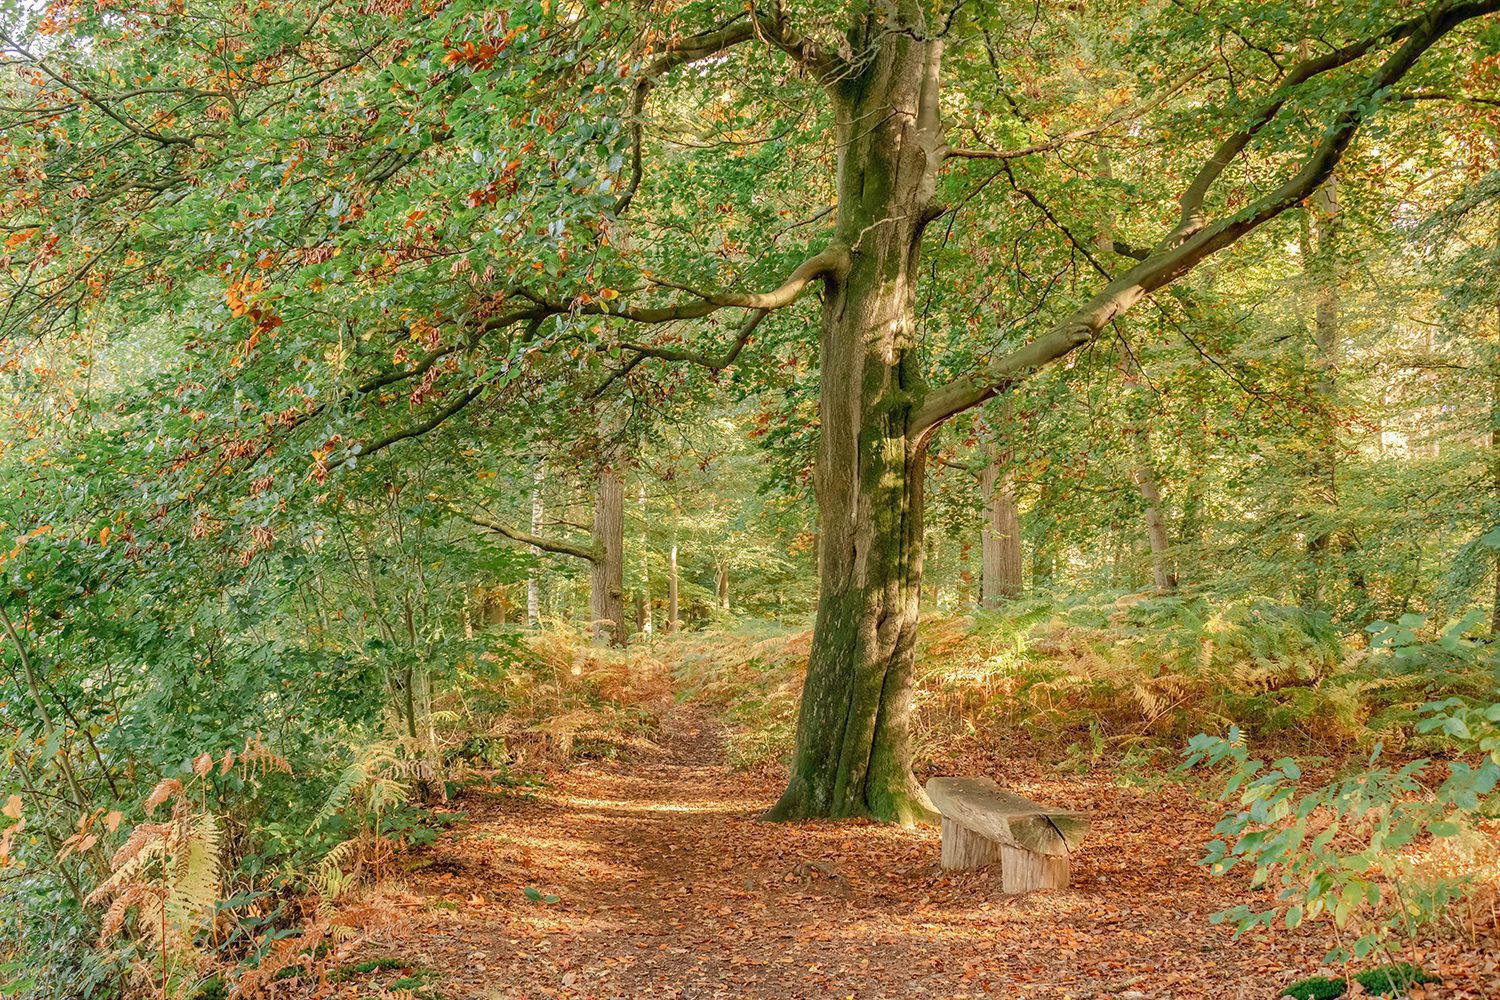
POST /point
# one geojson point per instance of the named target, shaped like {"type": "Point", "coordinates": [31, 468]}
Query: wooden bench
{"type": "Point", "coordinates": [983, 825]}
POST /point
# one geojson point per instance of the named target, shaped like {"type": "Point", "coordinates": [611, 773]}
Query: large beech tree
{"type": "Point", "coordinates": [380, 218]}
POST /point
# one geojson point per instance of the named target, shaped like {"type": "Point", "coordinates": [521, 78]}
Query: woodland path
{"type": "Point", "coordinates": [669, 886]}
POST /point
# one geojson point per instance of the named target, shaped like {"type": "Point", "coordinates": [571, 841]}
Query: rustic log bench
{"type": "Point", "coordinates": [983, 825]}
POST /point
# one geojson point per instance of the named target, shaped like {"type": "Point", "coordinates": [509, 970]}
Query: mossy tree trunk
{"type": "Point", "coordinates": [853, 755]}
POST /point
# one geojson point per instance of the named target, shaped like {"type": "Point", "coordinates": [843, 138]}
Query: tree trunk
{"type": "Point", "coordinates": [672, 612]}
{"type": "Point", "coordinates": [534, 577]}
{"type": "Point", "coordinates": [852, 753]}
{"type": "Point", "coordinates": [965, 577]}
{"type": "Point", "coordinates": [1495, 458]}
{"type": "Point", "coordinates": [1000, 573]}
{"type": "Point", "coordinates": [1044, 546]}
{"type": "Point", "coordinates": [607, 580]}
{"type": "Point", "coordinates": [1319, 258]}
{"type": "Point", "coordinates": [643, 612]}
{"type": "Point", "coordinates": [721, 585]}
{"type": "Point", "coordinates": [1163, 577]}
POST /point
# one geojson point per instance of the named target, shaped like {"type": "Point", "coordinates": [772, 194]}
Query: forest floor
{"type": "Point", "coordinates": [653, 877]}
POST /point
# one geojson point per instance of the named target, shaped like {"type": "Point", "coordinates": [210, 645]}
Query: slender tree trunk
{"type": "Point", "coordinates": [1495, 458]}
{"type": "Point", "coordinates": [853, 753]}
{"type": "Point", "coordinates": [673, 621]}
{"type": "Point", "coordinates": [607, 582]}
{"type": "Point", "coordinates": [643, 617]}
{"type": "Point", "coordinates": [721, 585]}
{"type": "Point", "coordinates": [534, 577]}
{"type": "Point", "coordinates": [965, 577]}
{"type": "Point", "coordinates": [1044, 549]}
{"type": "Point", "coordinates": [1319, 254]}
{"type": "Point", "coordinates": [1163, 577]}
{"type": "Point", "coordinates": [1000, 573]}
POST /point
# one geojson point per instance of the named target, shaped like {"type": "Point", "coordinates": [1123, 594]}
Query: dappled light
{"type": "Point", "coordinates": [707, 499]}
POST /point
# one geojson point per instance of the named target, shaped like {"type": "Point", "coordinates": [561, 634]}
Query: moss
{"type": "Point", "coordinates": [1384, 981]}
{"type": "Point", "coordinates": [1316, 988]}
{"type": "Point", "coordinates": [212, 989]}
{"type": "Point", "coordinates": [1393, 979]}
{"type": "Point", "coordinates": [366, 967]}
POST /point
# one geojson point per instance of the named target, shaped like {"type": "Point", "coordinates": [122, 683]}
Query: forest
{"type": "Point", "coordinates": [749, 498]}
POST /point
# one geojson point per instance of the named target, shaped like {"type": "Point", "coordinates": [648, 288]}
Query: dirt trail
{"type": "Point", "coordinates": [667, 885]}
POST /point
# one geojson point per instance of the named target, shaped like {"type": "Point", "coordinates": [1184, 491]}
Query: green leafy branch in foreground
{"type": "Point", "coordinates": [1371, 852]}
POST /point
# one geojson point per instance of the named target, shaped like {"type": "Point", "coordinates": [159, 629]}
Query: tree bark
{"type": "Point", "coordinates": [607, 581]}
{"type": "Point", "coordinates": [1320, 257]}
{"type": "Point", "coordinates": [1495, 460]}
{"type": "Point", "coordinates": [673, 616]}
{"type": "Point", "coordinates": [534, 577]}
{"type": "Point", "coordinates": [1000, 569]}
{"type": "Point", "coordinates": [721, 585]}
{"type": "Point", "coordinates": [643, 616]}
{"type": "Point", "coordinates": [1143, 472]}
{"type": "Point", "coordinates": [852, 754]}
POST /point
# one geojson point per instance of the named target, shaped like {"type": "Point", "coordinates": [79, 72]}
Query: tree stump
{"type": "Point", "coordinates": [983, 825]}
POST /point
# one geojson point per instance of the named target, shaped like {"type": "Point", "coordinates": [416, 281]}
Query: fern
{"type": "Point", "coordinates": [169, 875]}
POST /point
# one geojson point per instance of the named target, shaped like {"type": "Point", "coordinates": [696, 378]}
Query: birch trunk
{"type": "Point", "coordinates": [1319, 251]}
{"type": "Point", "coordinates": [643, 616]}
{"type": "Point", "coordinates": [534, 577]}
{"type": "Point", "coordinates": [672, 612]}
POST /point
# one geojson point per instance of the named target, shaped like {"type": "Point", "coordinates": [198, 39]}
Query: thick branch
{"type": "Point", "coordinates": [700, 303]}
{"type": "Point", "coordinates": [688, 50]}
{"type": "Point", "coordinates": [770, 26]}
{"type": "Point", "coordinates": [774, 28]}
{"type": "Point", "coordinates": [558, 546]}
{"type": "Point", "coordinates": [1171, 259]}
{"type": "Point", "coordinates": [1191, 200]}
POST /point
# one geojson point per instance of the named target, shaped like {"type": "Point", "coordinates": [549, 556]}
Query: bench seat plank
{"type": "Point", "coordinates": [979, 806]}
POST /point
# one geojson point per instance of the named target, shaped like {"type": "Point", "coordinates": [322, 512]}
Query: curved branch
{"type": "Point", "coordinates": [769, 26]}
{"type": "Point", "coordinates": [431, 423]}
{"type": "Point", "coordinates": [1191, 200]}
{"type": "Point", "coordinates": [704, 303]}
{"type": "Point", "coordinates": [774, 27]}
{"type": "Point", "coordinates": [557, 546]}
{"type": "Point", "coordinates": [688, 50]}
{"type": "Point", "coordinates": [712, 363]}
{"type": "Point", "coordinates": [1175, 257]}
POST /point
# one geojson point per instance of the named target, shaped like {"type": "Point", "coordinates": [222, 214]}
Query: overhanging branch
{"type": "Point", "coordinates": [558, 546]}
{"type": "Point", "coordinates": [1184, 249]}
{"type": "Point", "coordinates": [700, 303]}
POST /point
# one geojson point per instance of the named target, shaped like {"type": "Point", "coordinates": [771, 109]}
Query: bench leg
{"type": "Point", "coordinates": [964, 849]}
{"type": "Point", "coordinates": [1023, 871]}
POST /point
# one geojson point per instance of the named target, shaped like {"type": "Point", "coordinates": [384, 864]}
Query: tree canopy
{"type": "Point", "coordinates": [346, 345]}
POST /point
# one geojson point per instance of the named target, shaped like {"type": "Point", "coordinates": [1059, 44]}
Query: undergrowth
{"type": "Point", "coordinates": [1124, 682]}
